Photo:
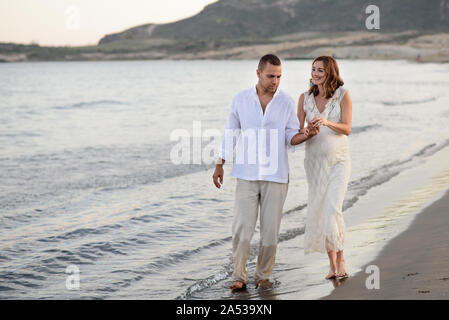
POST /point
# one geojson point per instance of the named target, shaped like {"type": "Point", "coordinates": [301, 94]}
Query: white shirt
{"type": "Point", "coordinates": [262, 139]}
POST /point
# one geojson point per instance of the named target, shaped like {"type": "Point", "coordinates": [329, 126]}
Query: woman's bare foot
{"type": "Point", "coordinates": [341, 266]}
{"type": "Point", "coordinates": [332, 264]}
{"type": "Point", "coordinates": [238, 285]}
{"type": "Point", "coordinates": [332, 274]}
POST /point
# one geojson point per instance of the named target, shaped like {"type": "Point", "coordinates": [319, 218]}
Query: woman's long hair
{"type": "Point", "coordinates": [333, 79]}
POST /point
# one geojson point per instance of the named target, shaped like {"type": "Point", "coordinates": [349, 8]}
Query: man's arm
{"type": "Point", "coordinates": [230, 137]}
{"type": "Point", "coordinates": [293, 136]}
{"type": "Point", "coordinates": [296, 133]}
{"type": "Point", "coordinates": [300, 137]}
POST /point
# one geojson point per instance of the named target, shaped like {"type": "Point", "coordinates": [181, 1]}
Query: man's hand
{"type": "Point", "coordinates": [300, 137]}
{"type": "Point", "coordinates": [313, 131]}
{"type": "Point", "coordinates": [218, 175]}
{"type": "Point", "coordinates": [304, 131]}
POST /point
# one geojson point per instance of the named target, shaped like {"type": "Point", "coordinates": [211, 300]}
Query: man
{"type": "Point", "coordinates": [262, 120]}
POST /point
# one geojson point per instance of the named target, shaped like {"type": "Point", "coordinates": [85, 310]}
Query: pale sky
{"type": "Point", "coordinates": [83, 22]}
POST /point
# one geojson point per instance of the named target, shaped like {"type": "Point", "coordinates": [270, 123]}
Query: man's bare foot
{"type": "Point", "coordinates": [263, 284]}
{"type": "Point", "coordinates": [238, 285]}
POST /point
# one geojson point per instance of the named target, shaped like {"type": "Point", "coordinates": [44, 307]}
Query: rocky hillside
{"type": "Point", "coordinates": [294, 29]}
{"type": "Point", "coordinates": [256, 20]}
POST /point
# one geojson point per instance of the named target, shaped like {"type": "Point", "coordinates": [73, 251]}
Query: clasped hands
{"type": "Point", "coordinates": [313, 126]}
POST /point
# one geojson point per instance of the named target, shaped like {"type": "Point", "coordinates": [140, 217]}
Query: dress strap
{"type": "Point", "coordinates": [307, 105]}
{"type": "Point", "coordinates": [341, 94]}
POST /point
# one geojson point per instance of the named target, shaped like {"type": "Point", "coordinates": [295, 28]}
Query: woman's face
{"type": "Point", "coordinates": [318, 74]}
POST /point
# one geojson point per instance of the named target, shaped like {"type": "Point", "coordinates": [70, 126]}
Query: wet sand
{"type": "Point", "coordinates": [413, 265]}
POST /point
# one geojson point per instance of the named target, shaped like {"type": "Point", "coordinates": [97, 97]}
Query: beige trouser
{"type": "Point", "coordinates": [249, 195]}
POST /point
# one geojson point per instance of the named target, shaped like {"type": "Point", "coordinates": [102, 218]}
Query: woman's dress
{"type": "Point", "coordinates": [328, 166]}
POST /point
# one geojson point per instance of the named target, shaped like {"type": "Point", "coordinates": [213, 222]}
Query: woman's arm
{"type": "Point", "coordinates": [301, 113]}
{"type": "Point", "coordinates": [313, 131]}
{"type": "Point", "coordinates": [344, 126]}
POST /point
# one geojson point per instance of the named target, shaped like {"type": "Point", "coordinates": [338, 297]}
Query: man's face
{"type": "Point", "coordinates": [270, 77]}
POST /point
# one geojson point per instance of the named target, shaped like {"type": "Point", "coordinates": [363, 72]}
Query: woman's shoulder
{"type": "Point", "coordinates": [344, 93]}
{"type": "Point", "coordinates": [305, 98]}
{"type": "Point", "coordinates": [343, 90]}
{"type": "Point", "coordinates": [339, 93]}
{"type": "Point", "coordinates": [305, 95]}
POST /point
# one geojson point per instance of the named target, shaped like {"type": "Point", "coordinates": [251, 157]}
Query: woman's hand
{"type": "Point", "coordinates": [313, 131]}
{"type": "Point", "coordinates": [319, 121]}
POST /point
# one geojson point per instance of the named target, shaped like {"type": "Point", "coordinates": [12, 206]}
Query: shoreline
{"type": "Point", "coordinates": [20, 58]}
{"type": "Point", "coordinates": [413, 265]}
{"type": "Point", "coordinates": [410, 45]}
{"type": "Point", "coordinates": [390, 212]}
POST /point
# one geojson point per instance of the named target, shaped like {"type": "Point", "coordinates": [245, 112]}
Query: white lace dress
{"type": "Point", "coordinates": [328, 166]}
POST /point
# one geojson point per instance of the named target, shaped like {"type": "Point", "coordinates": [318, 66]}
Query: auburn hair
{"type": "Point", "coordinates": [333, 79]}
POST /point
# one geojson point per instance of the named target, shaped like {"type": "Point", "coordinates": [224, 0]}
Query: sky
{"type": "Point", "coordinates": [84, 22]}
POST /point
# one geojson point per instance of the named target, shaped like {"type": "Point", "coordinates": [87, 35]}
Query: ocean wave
{"type": "Point", "coordinates": [22, 279]}
{"type": "Point", "coordinates": [400, 103]}
{"type": "Point", "coordinates": [296, 209]}
{"type": "Point", "coordinates": [386, 172]}
{"type": "Point", "coordinates": [208, 282]}
{"type": "Point", "coordinates": [3, 288]}
{"type": "Point", "coordinates": [87, 104]}
{"type": "Point", "coordinates": [360, 129]}
{"type": "Point", "coordinates": [177, 257]}
{"type": "Point", "coordinates": [19, 134]}
{"type": "Point", "coordinates": [79, 233]}
{"type": "Point", "coordinates": [163, 262]}
{"type": "Point", "coordinates": [57, 175]}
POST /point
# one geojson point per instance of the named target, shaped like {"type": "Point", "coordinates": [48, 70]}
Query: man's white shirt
{"type": "Point", "coordinates": [260, 139]}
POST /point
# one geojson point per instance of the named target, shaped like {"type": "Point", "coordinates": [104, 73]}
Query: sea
{"type": "Point", "coordinates": [96, 204]}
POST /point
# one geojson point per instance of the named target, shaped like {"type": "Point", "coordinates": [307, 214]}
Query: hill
{"type": "Point", "coordinates": [245, 29]}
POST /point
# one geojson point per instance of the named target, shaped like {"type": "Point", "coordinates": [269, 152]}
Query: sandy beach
{"type": "Point", "coordinates": [414, 265]}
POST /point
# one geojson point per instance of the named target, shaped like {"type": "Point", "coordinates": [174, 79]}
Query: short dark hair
{"type": "Point", "coordinates": [271, 58]}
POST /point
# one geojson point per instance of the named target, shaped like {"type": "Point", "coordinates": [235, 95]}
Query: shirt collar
{"type": "Point", "coordinates": [255, 91]}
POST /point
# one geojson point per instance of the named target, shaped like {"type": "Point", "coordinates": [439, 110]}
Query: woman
{"type": "Point", "coordinates": [327, 108]}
